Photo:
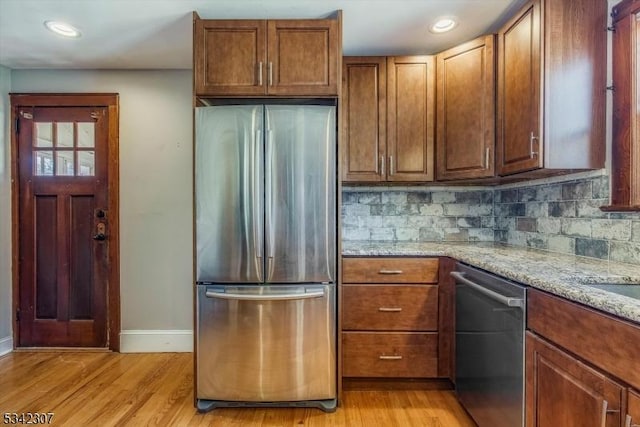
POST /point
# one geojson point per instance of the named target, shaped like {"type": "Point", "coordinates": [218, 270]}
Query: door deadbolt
{"type": "Point", "coordinates": [100, 232]}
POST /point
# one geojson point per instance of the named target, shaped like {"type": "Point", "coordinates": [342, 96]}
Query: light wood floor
{"type": "Point", "coordinates": [107, 389]}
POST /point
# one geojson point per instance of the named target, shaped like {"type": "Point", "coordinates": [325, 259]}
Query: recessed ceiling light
{"type": "Point", "coordinates": [62, 28]}
{"type": "Point", "coordinates": [444, 24]}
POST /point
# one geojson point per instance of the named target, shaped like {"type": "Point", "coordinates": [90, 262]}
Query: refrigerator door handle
{"type": "Point", "coordinates": [257, 224]}
{"type": "Point", "coordinates": [269, 204]}
{"type": "Point", "coordinates": [268, 297]}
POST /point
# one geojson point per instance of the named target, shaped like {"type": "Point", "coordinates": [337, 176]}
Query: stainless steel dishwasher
{"type": "Point", "coordinates": [490, 323]}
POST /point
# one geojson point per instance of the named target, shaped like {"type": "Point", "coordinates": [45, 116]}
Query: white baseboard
{"type": "Point", "coordinates": [6, 345]}
{"type": "Point", "coordinates": [156, 341]}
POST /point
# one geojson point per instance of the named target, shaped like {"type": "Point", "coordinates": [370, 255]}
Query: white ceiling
{"type": "Point", "coordinates": [156, 34]}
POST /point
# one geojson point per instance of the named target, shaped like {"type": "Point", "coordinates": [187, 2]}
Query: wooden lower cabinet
{"type": "Point", "coordinates": [563, 391]}
{"type": "Point", "coordinates": [582, 365]}
{"type": "Point", "coordinates": [390, 317]}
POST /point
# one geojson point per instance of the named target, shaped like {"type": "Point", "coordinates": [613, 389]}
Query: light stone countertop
{"type": "Point", "coordinates": [559, 274]}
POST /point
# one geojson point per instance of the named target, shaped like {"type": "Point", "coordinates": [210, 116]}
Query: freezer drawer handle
{"type": "Point", "coordinates": [382, 357]}
{"type": "Point", "coordinates": [268, 297]}
{"type": "Point", "coordinates": [508, 301]}
{"type": "Point", "coordinates": [390, 309]}
{"type": "Point", "coordinates": [390, 272]}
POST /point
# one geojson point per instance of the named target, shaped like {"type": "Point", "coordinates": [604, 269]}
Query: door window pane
{"type": "Point", "coordinates": [86, 134]}
{"type": "Point", "coordinates": [64, 163]}
{"type": "Point", "coordinates": [86, 163]}
{"type": "Point", "coordinates": [43, 163]}
{"type": "Point", "coordinates": [43, 135]}
{"type": "Point", "coordinates": [64, 136]}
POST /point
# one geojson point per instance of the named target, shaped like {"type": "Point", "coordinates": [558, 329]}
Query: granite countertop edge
{"type": "Point", "coordinates": [564, 275]}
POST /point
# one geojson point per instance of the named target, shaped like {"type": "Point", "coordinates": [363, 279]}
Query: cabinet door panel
{"type": "Point", "coordinates": [364, 118]}
{"type": "Point", "coordinates": [303, 57]}
{"type": "Point", "coordinates": [465, 137]}
{"type": "Point", "coordinates": [228, 57]}
{"type": "Point", "coordinates": [410, 119]}
{"type": "Point", "coordinates": [562, 391]}
{"type": "Point", "coordinates": [519, 110]}
{"type": "Point", "coordinates": [633, 409]}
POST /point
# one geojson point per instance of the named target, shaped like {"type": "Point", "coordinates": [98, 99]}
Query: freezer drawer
{"type": "Point", "coordinates": [266, 343]}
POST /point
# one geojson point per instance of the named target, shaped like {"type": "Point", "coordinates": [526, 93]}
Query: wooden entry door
{"type": "Point", "coordinates": [63, 225]}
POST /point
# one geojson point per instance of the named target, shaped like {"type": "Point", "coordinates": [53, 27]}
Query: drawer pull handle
{"type": "Point", "coordinates": [390, 357]}
{"type": "Point", "coordinates": [629, 422]}
{"type": "Point", "coordinates": [390, 272]}
{"type": "Point", "coordinates": [390, 309]}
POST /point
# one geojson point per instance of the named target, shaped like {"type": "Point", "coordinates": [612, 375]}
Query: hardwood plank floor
{"type": "Point", "coordinates": [112, 389]}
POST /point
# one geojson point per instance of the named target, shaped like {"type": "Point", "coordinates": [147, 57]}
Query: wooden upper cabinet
{"type": "Point", "coordinates": [625, 170]}
{"type": "Point", "coordinates": [303, 57]}
{"type": "Point", "coordinates": [563, 391]}
{"type": "Point", "coordinates": [257, 57]}
{"type": "Point", "coordinates": [410, 118]}
{"type": "Point", "coordinates": [229, 57]}
{"type": "Point", "coordinates": [551, 87]}
{"type": "Point", "coordinates": [364, 114]}
{"type": "Point", "coordinates": [465, 134]}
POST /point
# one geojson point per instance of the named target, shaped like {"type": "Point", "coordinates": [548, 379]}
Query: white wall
{"type": "Point", "coordinates": [6, 339]}
{"type": "Point", "coordinates": [155, 196]}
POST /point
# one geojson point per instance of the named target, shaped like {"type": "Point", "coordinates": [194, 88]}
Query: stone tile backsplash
{"type": "Point", "coordinates": [417, 215]}
{"type": "Point", "coordinates": [566, 217]}
{"type": "Point", "coordinates": [559, 216]}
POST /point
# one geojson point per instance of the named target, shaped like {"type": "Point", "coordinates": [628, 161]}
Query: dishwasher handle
{"type": "Point", "coordinates": [502, 299]}
{"type": "Point", "coordinates": [265, 297]}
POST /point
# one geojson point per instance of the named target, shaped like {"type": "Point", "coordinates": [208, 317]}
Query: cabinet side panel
{"type": "Point", "coordinates": [575, 81]}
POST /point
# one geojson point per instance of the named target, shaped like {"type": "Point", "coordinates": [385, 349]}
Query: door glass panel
{"type": "Point", "coordinates": [43, 163]}
{"type": "Point", "coordinates": [86, 134]}
{"type": "Point", "coordinates": [64, 135]}
{"type": "Point", "coordinates": [64, 163]}
{"type": "Point", "coordinates": [86, 163]}
{"type": "Point", "coordinates": [43, 135]}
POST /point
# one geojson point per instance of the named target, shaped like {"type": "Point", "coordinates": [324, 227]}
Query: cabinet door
{"type": "Point", "coordinates": [303, 57]}
{"type": "Point", "coordinates": [410, 118]}
{"type": "Point", "coordinates": [465, 135]}
{"type": "Point", "coordinates": [364, 109]}
{"type": "Point", "coordinates": [563, 391]}
{"type": "Point", "coordinates": [632, 418]}
{"type": "Point", "coordinates": [519, 111]}
{"type": "Point", "coordinates": [230, 57]}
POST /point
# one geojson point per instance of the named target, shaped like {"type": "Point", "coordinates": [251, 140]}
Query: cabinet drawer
{"type": "Point", "coordinates": [381, 354]}
{"type": "Point", "coordinates": [390, 270]}
{"type": "Point", "coordinates": [390, 307]}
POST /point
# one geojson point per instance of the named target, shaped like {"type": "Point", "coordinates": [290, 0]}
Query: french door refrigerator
{"type": "Point", "coordinates": [265, 189]}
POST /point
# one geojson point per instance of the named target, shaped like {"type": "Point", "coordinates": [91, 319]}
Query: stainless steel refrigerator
{"type": "Point", "coordinates": [265, 188]}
